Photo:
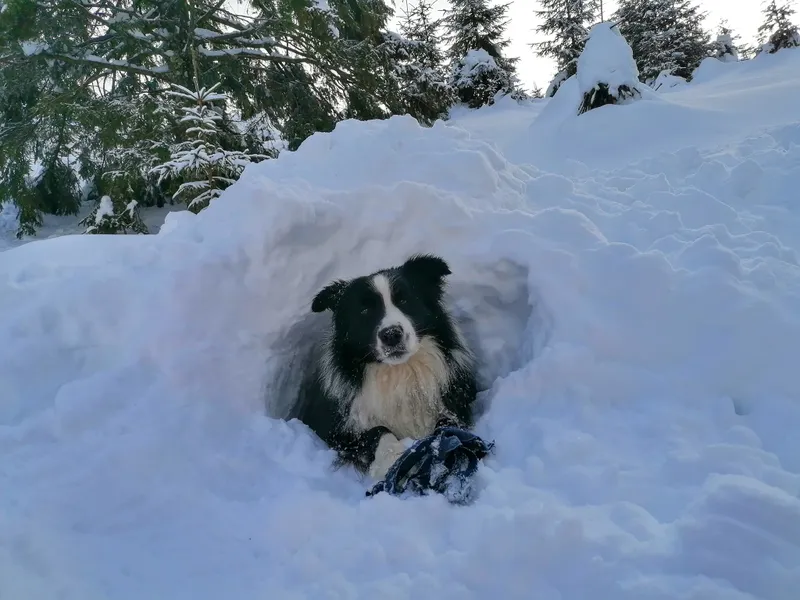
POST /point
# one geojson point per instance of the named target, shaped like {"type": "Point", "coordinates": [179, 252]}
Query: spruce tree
{"type": "Point", "coordinates": [666, 36]}
{"type": "Point", "coordinates": [426, 91]}
{"type": "Point", "coordinates": [567, 22]}
{"type": "Point", "coordinates": [479, 68]}
{"type": "Point", "coordinates": [777, 31]}
{"type": "Point", "coordinates": [202, 165]}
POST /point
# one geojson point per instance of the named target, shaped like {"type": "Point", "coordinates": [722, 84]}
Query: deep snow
{"type": "Point", "coordinates": [630, 275]}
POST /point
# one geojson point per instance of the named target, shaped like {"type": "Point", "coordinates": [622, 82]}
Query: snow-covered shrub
{"type": "Point", "coordinates": [724, 48]}
{"type": "Point", "coordinates": [107, 219]}
{"type": "Point", "coordinates": [607, 73]}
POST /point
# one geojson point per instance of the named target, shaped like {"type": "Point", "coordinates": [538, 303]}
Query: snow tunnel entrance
{"type": "Point", "coordinates": [502, 317]}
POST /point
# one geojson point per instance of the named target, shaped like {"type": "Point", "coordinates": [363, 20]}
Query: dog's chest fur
{"type": "Point", "coordinates": [405, 398]}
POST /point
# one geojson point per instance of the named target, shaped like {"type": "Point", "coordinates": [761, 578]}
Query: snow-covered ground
{"type": "Point", "coordinates": [56, 226]}
{"type": "Point", "coordinates": [630, 276]}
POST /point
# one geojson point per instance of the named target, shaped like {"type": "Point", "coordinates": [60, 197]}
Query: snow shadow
{"type": "Point", "coordinates": [503, 318]}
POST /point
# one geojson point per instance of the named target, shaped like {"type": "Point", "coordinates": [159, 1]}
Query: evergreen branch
{"type": "Point", "coordinates": [113, 26]}
{"type": "Point", "coordinates": [238, 35]}
{"type": "Point", "coordinates": [213, 9]}
{"type": "Point", "coordinates": [161, 74]}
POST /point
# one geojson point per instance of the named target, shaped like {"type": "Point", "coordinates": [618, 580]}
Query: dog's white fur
{"type": "Point", "coordinates": [393, 316]}
{"type": "Point", "coordinates": [406, 395]}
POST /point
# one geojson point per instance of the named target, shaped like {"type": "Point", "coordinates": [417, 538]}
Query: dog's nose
{"type": "Point", "coordinates": [391, 336]}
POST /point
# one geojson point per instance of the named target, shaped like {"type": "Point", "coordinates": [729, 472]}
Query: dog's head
{"type": "Point", "coordinates": [383, 317]}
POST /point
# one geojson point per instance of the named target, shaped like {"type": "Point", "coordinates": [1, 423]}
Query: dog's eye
{"type": "Point", "coordinates": [367, 302]}
{"type": "Point", "coordinates": [400, 297]}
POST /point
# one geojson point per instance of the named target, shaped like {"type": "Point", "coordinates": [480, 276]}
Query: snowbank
{"type": "Point", "coordinates": [639, 331]}
{"type": "Point", "coordinates": [724, 102]}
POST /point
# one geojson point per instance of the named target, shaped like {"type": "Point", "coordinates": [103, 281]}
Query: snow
{"type": "Point", "coordinates": [106, 209]}
{"type": "Point", "coordinates": [31, 47]}
{"type": "Point", "coordinates": [666, 81]}
{"type": "Point", "coordinates": [201, 32]}
{"type": "Point", "coordinates": [57, 226]}
{"type": "Point", "coordinates": [322, 5]}
{"type": "Point", "coordinates": [726, 48]}
{"type": "Point", "coordinates": [631, 278]}
{"type": "Point", "coordinates": [607, 58]}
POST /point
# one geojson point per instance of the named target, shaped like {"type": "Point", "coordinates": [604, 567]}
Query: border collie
{"type": "Point", "coordinates": [394, 365]}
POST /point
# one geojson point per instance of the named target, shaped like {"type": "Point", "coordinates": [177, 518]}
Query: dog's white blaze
{"type": "Point", "coordinates": [393, 316]}
{"type": "Point", "coordinates": [405, 397]}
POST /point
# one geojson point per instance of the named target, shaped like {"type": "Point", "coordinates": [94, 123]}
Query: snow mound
{"type": "Point", "coordinates": [638, 330]}
{"type": "Point", "coordinates": [666, 82]}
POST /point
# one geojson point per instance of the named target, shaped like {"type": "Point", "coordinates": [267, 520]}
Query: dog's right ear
{"type": "Point", "coordinates": [328, 297]}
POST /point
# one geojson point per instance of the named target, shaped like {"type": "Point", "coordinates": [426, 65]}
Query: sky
{"type": "Point", "coordinates": [744, 17]}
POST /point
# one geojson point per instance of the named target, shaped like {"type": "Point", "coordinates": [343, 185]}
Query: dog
{"type": "Point", "coordinates": [393, 365]}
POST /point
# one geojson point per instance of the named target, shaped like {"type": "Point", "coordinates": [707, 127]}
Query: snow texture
{"type": "Point", "coordinates": [607, 58]}
{"type": "Point", "coordinates": [630, 278]}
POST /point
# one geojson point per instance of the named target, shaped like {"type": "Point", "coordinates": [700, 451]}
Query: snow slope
{"type": "Point", "coordinates": [630, 277]}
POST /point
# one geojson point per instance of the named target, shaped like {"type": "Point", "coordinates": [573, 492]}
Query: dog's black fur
{"type": "Point", "coordinates": [354, 357]}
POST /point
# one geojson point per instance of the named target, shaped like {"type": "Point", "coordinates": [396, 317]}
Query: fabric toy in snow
{"type": "Point", "coordinates": [443, 462]}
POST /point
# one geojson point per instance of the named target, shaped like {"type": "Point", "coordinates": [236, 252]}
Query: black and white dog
{"type": "Point", "coordinates": [394, 365]}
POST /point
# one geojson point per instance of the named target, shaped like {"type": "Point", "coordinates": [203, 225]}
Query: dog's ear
{"type": "Point", "coordinates": [427, 267]}
{"type": "Point", "coordinates": [328, 297]}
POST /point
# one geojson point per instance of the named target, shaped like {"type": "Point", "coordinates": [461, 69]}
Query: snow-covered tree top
{"type": "Point", "coordinates": [725, 38]}
{"type": "Point", "coordinates": [474, 59]}
{"type": "Point", "coordinates": [606, 58]}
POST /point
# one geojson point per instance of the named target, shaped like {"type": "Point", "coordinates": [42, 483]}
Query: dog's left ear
{"type": "Point", "coordinates": [328, 297]}
{"type": "Point", "coordinates": [427, 268]}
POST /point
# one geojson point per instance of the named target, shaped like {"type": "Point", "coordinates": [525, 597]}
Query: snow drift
{"type": "Point", "coordinates": [638, 329]}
